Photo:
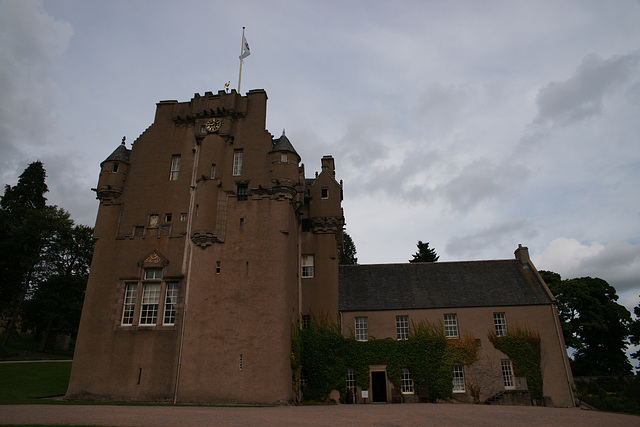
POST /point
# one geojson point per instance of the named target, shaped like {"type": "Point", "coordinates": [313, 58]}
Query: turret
{"type": "Point", "coordinates": [113, 174]}
{"type": "Point", "coordinates": [284, 169]}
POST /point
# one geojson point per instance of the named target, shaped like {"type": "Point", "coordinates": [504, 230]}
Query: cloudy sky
{"type": "Point", "coordinates": [473, 125]}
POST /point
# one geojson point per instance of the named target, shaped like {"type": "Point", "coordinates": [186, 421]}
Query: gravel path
{"type": "Point", "coordinates": [351, 415]}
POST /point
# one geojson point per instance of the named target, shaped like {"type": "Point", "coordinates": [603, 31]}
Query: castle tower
{"type": "Point", "coordinates": [204, 236]}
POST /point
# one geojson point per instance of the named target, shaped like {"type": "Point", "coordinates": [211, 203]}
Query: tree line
{"type": "Point", "coordinates": [44, 261]}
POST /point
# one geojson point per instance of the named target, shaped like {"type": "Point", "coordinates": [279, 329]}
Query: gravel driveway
{"type": "Point", "coordinates": [349, 415]}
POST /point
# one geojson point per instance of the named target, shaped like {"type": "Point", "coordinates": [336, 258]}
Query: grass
{"type": "Point", "coordinates": [22, 383]}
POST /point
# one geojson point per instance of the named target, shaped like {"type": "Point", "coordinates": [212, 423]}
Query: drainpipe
{"type": "Point", "coordinates": [186, 265]}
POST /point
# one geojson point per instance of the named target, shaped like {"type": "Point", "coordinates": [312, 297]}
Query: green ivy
{"type": "Point", "coordinates": [321, 355]}
{"type": "Point", "coordinates": [522, 346]}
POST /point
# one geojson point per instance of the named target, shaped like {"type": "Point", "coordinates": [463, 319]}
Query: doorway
{"type": "Point", "coordinates": [379, 387]}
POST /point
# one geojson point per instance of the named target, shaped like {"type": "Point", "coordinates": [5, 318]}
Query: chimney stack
{"type": "Point", "coordinates": [522, 254]}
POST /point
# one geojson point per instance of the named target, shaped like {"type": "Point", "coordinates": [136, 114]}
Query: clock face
{"type": "Point", "coordinates": [213, 125]}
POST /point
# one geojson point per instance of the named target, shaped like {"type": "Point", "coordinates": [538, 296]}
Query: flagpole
{"type": "Point", "coordinates": [241, 61]}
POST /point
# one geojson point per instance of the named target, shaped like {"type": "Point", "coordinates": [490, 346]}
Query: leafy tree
{"type": "Point", "coordinates": [37, 242]}
{"type": "Point", "coordinates": [634, 331]}
{"type": "Point", "coordinates": [425, 253]}
{"type": "Point", "coordinates": [348, 254]}
{"type": "Point", "coordinates": [594, 324]}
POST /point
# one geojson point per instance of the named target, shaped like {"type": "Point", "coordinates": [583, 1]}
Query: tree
{"type": "Point", "coordinates": [348, 254]}
{"type": "Point", "coordinates": [594, 325]}
{"type": "Point", "coordinates": [38, 242]}
{"type": "Point", "coordinates": [634, 331]}
{"type": "Point", "coordinates": [424, 254]}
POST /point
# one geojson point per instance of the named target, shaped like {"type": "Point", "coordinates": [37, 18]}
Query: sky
{"type": "Point", "coordinates": [472, 125]}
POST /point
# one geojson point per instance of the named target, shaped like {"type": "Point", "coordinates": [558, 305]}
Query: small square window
{"type": "Point", "coordinates": [115, 167]}
{"type": "Point", "coordinates": [283, 158]}
{"type": "Point", "coordinates": [325, 193]}
{"type": "Point", "coordinates": [183, 217]}
{"type": "Point", "coordinates": [167, 218]}
{"type": "Point", "coordinates": [154, 219]}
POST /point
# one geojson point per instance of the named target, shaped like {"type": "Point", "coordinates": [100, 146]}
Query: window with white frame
{"type": "Point", "coordinates": [407, 381]}
{"type": "Point", "coordinates": [402, 327]}
{"type": "Point", "coordinates": [153, 274]}
{"type": "Point", "coordinates": [130, 292]}
{"type": "Point", "coordinates": [170, 300]}
{"type": "Point", "coordinates": [175, 168]}
{"type": "Point", "coordinates": [149, 303]}
{"type": "Point", "coordinates": [500, 321]}
{"type": "Point", "coordinates": [237, 163]}
{"type": "Point", "coordinates": [458, 379]}
{"type": "Point", "coordinates": [507, 375]}
{"type": "Point", "coordinates": [451, 325]}
{"type": "Point", "coordinates": [283, 158]}
{"type": "Point", "coordinates": [307, 266]}
{"type": "Point", "coordinates": [362, 329]}
{"type": "Point", "coordinates": [351, 379]}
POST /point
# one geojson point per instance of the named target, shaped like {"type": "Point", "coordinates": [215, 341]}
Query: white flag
{"type": "Point", "coordinates": [245, 48]}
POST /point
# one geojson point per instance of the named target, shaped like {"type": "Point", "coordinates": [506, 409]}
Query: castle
{"type": "Point", "coordinates": [211, 245]}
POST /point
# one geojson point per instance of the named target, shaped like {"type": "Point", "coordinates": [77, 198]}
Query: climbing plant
{"type": "Point", "coordinates": [321, 355]}
{"type": "Point", "coordinates": [523, 348]}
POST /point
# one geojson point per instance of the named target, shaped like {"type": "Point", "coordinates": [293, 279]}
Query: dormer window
{"type": "Point", "coordinates": [115, 168]}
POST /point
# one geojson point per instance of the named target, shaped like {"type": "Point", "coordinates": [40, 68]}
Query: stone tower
{"type": "Point", "coordinates": [210, 246]}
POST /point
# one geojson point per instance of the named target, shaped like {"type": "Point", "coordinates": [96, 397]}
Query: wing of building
{"type": "Point", "coordinates": [211, 245]}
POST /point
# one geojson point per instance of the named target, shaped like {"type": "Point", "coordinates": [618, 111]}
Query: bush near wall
{"type": "Point", "coordinates": [321, 355]}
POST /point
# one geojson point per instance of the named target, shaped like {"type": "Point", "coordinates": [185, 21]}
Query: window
{"type": "Point", "coordinates": [307, 266]}
{"type": "Point", "coordinates": [183, 217]}
{"type": "Point", "coordinates": [458, 379]}
{"type": "Point", "coordinates": [153, 274]}
{"type": "Point", "coordinates": [129, 303]}
{"type": "Point", "coordinates": [149, 305]}
{"type": "Point", "coordinates": [283, 158]}
{"type": "Point", "coordinates": [237, 163]}
{"type": "Point", "coordinates": [362, 329]}
{"type": "Point", "coordinates": [500, 321]}
{"type": "Point", "coordinates": [324, 193]}
{"type": "Point", "coordinates": [217, 267]}
{"type": "Point", "coordinates": [306, 321]}
{"type": "Point", "coordinates": [402, 327]}
{"type": "Point", "coordinates": [115, 167]}
{"type": "Point", "coordinates": [407, 381]}
{"type": "Point", "coordinates": [175, 168]}
{"type": "Point", "coordinates": [167, 217]}
{"type": "Point", "coordinates": [351, 379]}
{"type": "Point", "coordinates": [507, 375]}
{"type": "Point", "coordinates": [451, 326]}
{"type": "Point", "coordinates": [241, 224]}
{"type": "Point", "coordinates": [213, 171]}
{"type": "Point", "coordinates": [138, 231]}
{"type": "Point", "coordinates": [154, 220]}
{"type": "Point", "coordinates": [171, 297]}
{"type": "Point", "coordinates": [242, 191]}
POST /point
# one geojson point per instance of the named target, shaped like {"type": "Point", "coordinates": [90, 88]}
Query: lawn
{"type": "Point", "coordinates": [30, 382]}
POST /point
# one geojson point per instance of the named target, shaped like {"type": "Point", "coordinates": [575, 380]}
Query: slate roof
{"type": "Point", "coordinates": [283, 144]}
{"type": "Point", "coordinates": [120, 154]}
{"type": "Point", "coordinates": [439, 285]}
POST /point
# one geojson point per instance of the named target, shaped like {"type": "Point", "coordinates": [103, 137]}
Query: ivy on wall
{"type": "Point", "coordinates": [321, 355]}
{"type": "Point", "coordinates": [522, 346]}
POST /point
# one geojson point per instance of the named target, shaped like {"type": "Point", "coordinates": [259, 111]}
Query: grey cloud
{"type": "Point", "coordinates": [582, 95]}
{"type": "Point", "coordinates": [504, 234]}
